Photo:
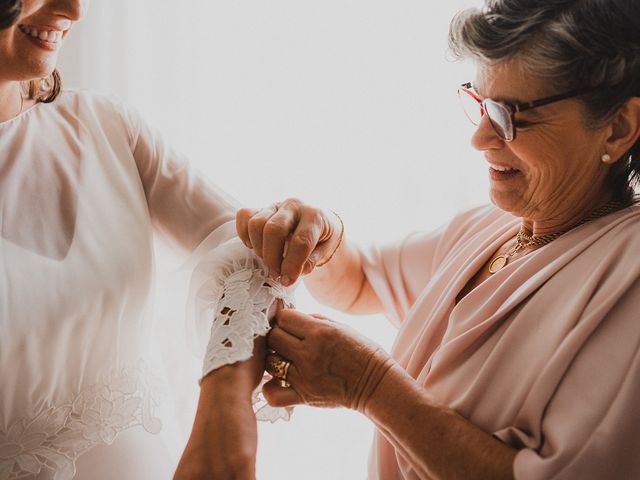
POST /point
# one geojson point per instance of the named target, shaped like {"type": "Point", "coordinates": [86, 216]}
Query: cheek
{"type": "Point", "coordinates": [9, 41]}
{"type": "Point", "coordinates": [559, 162]}
{"type": "Point", "coordinates": [537, 163]}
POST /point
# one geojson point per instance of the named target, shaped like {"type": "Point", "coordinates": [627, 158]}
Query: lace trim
{"type": "Point", "coordinates": [49, 444]}
{"type": "Point", "coordinates": [237, 294]}
{"type": "Point", "coordinates": [241, 315]}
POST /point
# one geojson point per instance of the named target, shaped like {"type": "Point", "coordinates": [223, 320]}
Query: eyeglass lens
{"type": "Point", "coordinates": [499, 115]}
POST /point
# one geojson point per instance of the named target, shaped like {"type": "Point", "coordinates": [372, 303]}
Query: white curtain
{"type": "Point", "coordinates": [347, 104]}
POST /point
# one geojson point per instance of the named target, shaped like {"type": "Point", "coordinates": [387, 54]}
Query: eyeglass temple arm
{"type": "Point", "coordinates": [521, 107]}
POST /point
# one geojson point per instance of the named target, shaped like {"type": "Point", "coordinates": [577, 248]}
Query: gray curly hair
{"type": "Point", "coordinates": [575, 44]}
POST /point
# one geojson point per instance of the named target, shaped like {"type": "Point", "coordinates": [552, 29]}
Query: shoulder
{"type": "Point", "coordinates": [464, 229]}
{"type": "Point", "coordinates": [81, 99]}
{"type": "Point", "coordinates": [615, 240]}
{"type": "Point", "coordinates": [472, 226]}
{"type": "Point", "coordinates": [619, 231]}
{"type": "Point", "coordinates": [98, 112]}
{"type": "Point", "coordinates": [475, 220]}
{"type": "Point", "coordinates": [481, 221]}
{"type": "Point", "coordinates": [467, 224]}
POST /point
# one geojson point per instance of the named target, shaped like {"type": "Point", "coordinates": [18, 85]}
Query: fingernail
{"type": "Point", "coordinates": [285, 280]}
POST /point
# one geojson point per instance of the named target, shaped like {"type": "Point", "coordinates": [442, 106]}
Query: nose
{"type": "Point", "coordinates": [485, 137]}
{"type": "Point", "coordinates": [73, 10]}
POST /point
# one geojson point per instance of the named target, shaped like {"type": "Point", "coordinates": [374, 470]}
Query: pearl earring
{"type": "Point", "coordinates": [606, 158]}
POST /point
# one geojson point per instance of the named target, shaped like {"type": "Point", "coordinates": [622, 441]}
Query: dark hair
{"type": "Point", "coordinates": [45, 90]}
{"type": "Point", "coordinates": [9, 12]}
{"type": "Point", "coordinates": [574, 44]}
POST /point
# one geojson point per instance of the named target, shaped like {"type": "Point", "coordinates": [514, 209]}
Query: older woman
{"type": "Point", "coordinates": [518, 351]}
{"type": "Point", "coordinates": [84, 185]}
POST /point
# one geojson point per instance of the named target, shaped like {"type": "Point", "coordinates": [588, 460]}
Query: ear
{"type": "Point", "coordinates": [625, 129]}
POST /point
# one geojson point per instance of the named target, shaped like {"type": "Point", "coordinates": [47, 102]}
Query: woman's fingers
{"type": "Point", "coordinates": [274, 237]}
{"type": "Point", "coordinates": [295, 323]}
{"type": "Point", "coordinates": [284, 343]}
{"type": "Point", "coordinates": [290, 237]}
{"type": "Point", "coordinates": [280, 396]}
{"type": "Point", "coordinates": [256, 227]}
{"type": "Point", "coordinates": [242, 224]}
{"type": "Point", "coordinates": [303, 242]}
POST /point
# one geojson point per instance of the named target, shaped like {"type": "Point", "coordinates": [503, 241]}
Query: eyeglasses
{"type": "Point", "coordinates": [501, 114]}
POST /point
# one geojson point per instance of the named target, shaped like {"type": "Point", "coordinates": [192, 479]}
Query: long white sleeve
{"type": "Point", "coordinates": [230, 293]}
{"type": "Point", "coordinates": [229, 299]}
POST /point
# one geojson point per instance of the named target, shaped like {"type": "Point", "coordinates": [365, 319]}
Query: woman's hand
{"type": "Point", "coordinates": [331, 365]}
{"type": "Point", "coordinates": [290, 237]}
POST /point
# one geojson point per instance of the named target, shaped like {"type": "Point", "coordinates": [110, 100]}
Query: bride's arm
{"type": "Point", "coordinates": [229, 302]}
{"type": "Point", "coordinates": [223, 441]}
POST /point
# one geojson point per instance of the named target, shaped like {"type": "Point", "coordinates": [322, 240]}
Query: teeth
{"type": "Point", "coordinates": [52, 36]}
{"type": "Point", "coordinates": [503, 169]}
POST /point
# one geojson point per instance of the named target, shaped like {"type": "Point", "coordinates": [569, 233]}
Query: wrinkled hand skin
{"type": "Point", "coordinates": [291, 237]}
{"type": "Point", "coordinates": [332, 365]}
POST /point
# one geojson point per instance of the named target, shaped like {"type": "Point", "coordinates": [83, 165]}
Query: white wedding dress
{"type": "Point", "coordinates": [84, 184]}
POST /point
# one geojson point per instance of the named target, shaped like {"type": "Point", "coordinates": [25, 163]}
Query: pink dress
{"type": "Point", "coordinates": [544, 355]}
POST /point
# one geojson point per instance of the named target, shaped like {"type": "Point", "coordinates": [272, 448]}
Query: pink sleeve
{"type": "Point", "coordinates": [398, 272]}
{"type": "Point", "coordinates": [182, 204]}
{"type": "Point", "coordinates": [590, 428]}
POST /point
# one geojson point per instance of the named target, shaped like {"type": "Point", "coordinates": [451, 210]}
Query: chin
{"type": "Point", "coordinates": [38, 74]}
{"type": "Point", "coordinates": [40, 67]}
{"type": "Point", "coordinates": [505, 202]}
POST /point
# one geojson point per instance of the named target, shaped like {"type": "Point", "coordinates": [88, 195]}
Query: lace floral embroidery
{"type": "Point", "coordinates": [49, 444]}
{"type": "Point", "coordinates": [233, 296]}
{"type": "Point", "coordinates": [245, 298]}
{"type": "Point", "coordinates": [241, 315]}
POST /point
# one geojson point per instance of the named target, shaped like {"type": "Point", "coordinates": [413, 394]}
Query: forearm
{"type": "Point", "coordinates": [342, 284]}
{"type": "Point", "coordinates": [223, 441]}
{"type": "Point", "coordinates": [438, 442]}
{"type": "Point", "coordinates": [243, 376]}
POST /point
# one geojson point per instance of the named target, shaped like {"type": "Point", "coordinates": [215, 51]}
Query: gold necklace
{"type": "Point", "coordinates": [524, 240]}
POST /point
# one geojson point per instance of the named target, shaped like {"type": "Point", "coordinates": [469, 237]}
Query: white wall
{"type": "Point", "coordinates": [348, 104]}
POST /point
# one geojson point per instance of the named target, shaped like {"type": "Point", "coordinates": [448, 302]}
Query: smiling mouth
{"type": "Point", "coordinates": [53, 37]}
{"type": "Point", "coordinates": [503, 169]}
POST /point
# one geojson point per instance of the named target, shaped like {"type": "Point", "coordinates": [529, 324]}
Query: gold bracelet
{"type": "Point", "coordinates": [339, 242]}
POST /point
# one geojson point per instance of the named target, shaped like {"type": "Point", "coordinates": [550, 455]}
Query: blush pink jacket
{"type": "Point", "coordinates": [544, 355]}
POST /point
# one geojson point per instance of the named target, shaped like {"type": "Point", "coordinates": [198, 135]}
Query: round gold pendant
{"type": "Point", "coordinates": [498, 264]}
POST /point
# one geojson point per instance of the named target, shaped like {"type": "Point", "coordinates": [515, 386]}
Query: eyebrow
{"type": "Point", "coordinates": [513, 101]}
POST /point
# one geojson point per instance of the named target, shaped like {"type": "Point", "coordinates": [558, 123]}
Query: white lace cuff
{"type": "Point", "coordinates": [231, 296]}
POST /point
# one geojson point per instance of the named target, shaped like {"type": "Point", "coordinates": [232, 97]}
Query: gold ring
{"type": "Point", "coordinates": [278, 367]}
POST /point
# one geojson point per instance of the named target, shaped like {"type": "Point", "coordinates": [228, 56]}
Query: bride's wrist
{"type": "Point", "coordinates": [236, 380]}
{"type": "Point", "coordinates": [239, 378]}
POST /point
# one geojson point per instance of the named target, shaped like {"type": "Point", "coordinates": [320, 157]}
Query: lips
{"type": "Point", "coordinates": [502, 174]}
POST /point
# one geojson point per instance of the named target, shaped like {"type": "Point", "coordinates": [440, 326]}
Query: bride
{"type": "Point", "coordinates": [84, 186]}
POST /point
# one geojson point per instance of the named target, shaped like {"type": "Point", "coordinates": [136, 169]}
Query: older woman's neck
{"type": "Point", "coordinates": [11, 100]}
{"type": "Point", "coordinates": [572, 215]}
